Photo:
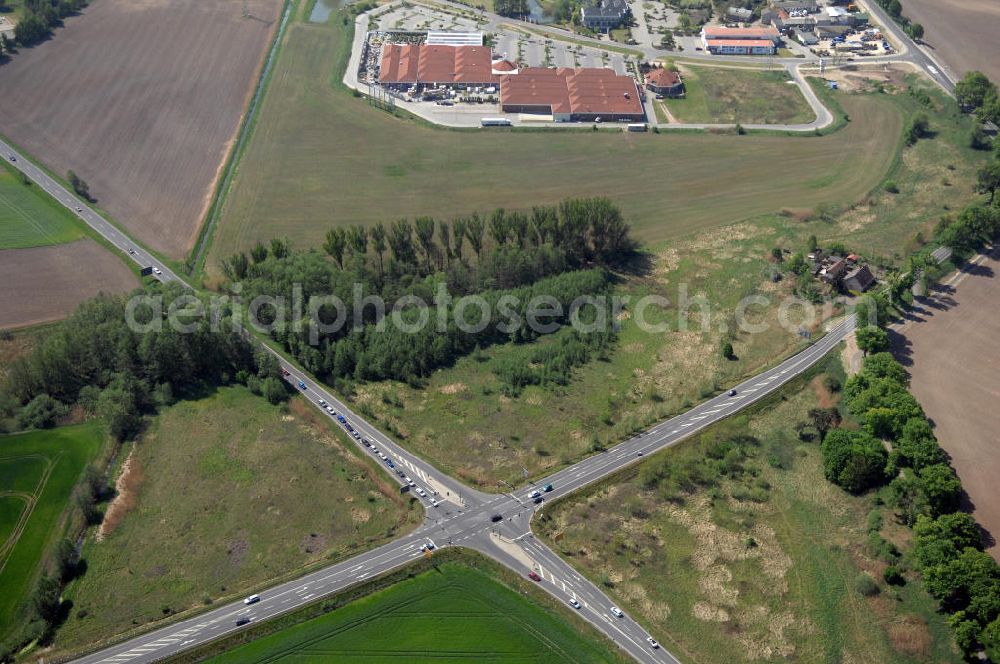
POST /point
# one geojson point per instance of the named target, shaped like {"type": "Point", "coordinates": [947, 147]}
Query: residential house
{"type": "Point", "coordinates": [834, 268]}
{"type": "Point", "coordinates": [859, 279]}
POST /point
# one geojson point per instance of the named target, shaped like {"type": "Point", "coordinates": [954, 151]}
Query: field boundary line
{"type": "Point", "coordinates": [22, 522]}
{"type": "Point", "coordinates": [204, 241]}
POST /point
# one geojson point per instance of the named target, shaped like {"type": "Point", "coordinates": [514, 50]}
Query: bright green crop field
{"type": "Point", "coordinates": [38, 471]}
{"type": "Point", "coordinates": [449, 614]}
{"type": "Point", "coordinates": [29, 218]}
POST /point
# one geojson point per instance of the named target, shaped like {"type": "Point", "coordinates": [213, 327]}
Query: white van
{"type": "Point", "coordinates": [253, 599]}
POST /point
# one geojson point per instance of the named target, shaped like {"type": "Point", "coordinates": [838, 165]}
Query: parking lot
{"type": "Point", "coordinates": [862, 43]}
{"type": "Point", "coordinates": [528, 49]}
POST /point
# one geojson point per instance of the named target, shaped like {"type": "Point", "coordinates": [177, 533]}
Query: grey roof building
{"type": "Point", "coordinates": [605, 15]}
{"type": "Point", "coordinates": [859, 279]}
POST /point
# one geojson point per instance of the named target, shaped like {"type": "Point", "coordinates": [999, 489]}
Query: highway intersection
{"type": "Point", "coordinates": [462, 516]}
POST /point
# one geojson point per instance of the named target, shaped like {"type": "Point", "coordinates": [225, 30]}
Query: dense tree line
{"type": "Point", "coordinates": [38, 17]}
{"type": "Point", "coordinates": [506, 246]}
{"type": "Point", "coordinates": [974, 227]}
{"type": "Point", "coordinates": [379, 353]}
{"type": "Point", "coordinates": [924, 493]}
{"type": "Point", "coordinates": [557, 251]}
{"type": "Point", "coordinates": [510, 7]}
{"type": "Point", "coordinates": [94, 360]}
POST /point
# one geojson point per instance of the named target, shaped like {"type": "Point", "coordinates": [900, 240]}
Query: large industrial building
{"type": "Point", "coordinates": [565, 94]}
{"type": "Point", "coordinates": [404, 65]}
{"type": "Point", "coordinates": [572, 95]}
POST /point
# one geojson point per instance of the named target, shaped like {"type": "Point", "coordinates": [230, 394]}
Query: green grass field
{"type": "Point", "coordinates": [38, 471]}
{"type": "Point", "coordinates": [756, 565]}
{"type": "Point", "coordinates": [29, 218]}
{"type": "Point", "coordinates": [460, 421]}
{"type": "Point", "coordinates": [452, 613]}
{"type": "Point", "coordinates": [222, 495]}
{"type": "Point", "coordinates": [320, 157]}
{"type": "Point", "coordinates": [727, 95]}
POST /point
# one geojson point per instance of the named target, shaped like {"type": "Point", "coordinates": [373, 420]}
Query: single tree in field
{"type": "Point", "coordinates": [79, 186]}
{"type": "Point", "coordinates": [474, 232]}
{"type": "Point", "coordinates": [444, 237]}
{"type": "Point", "coordinates": [458, 237]}
{"type": "Point", "coordinates": [872, 339]}
{"type": "Point", "coordinates": [357, 239]}
{"type": "Point", "coordinates": [401, 242]}
{"type": "Point", "coordinates": [972, 90]}
{"type": "Point", "coordinates": [279, 248]}
{"type": "Point", "coordinates": [541, 223]}
{"type": "Point", "coordinates": [335, 243]}
{"type": "Point", "coordinates": [259, 252]}
{"type": "Point", "coordinates": [518, 224]}
{"type": "Point", "coordinates": [378, 244]}
{"type": "Point", "coordinates": [988, 180]}
{"type": "Point", "coordinates": [824, 419]}
{"type": "Point", "coordinates": [425, 236]}
{"type": "Point", "coordinates": [499, 227]}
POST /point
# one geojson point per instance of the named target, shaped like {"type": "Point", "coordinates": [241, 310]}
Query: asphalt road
{"type": "Point", "coordinates": [465, 517]}
{"type": "Point", "coordinates": [456, 515]}
{"type": "Point", "coordinates": [81, 209]}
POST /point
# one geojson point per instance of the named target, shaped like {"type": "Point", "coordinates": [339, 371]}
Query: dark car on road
{"type": "Point", "coordinates": [496, 517]}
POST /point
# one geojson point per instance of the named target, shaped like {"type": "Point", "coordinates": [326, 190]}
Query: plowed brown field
{"type": "Point", "coordinates": [963, 33]}
{"type": "Point", "coordinates": [44, 284]}
{"type": "Point", "coordinates": [949, 348]}
{"type": "Point", "coordinates": [141, 98]}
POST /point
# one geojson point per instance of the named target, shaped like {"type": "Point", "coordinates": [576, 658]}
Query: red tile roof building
{"type": "Point", "coordinates": [665, 82]}
{"type": "Point", "coordinates": [582, 95]}
{"type": "Point", "coordinates": [410, 64]}
{"type": "Point", "coordinates": [721, 32]}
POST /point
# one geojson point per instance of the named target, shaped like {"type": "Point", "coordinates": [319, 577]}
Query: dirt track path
{"type": "Point", "coordinates": [950, 348]}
